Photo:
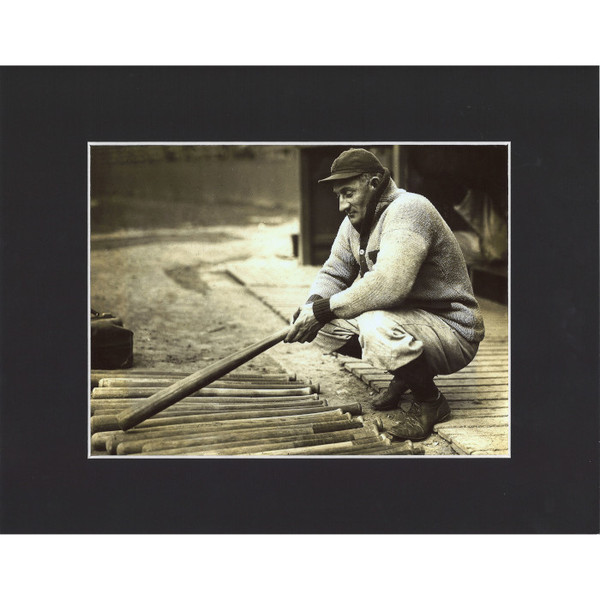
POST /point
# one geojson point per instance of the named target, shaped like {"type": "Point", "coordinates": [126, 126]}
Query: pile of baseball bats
{"type": "Point", "coordinates": [214, 412]}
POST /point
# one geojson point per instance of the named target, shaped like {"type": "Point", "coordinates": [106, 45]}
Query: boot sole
{"type": "Point", "coordinates": [424, 437]}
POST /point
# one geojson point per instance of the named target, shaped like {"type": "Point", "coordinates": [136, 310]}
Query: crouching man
{"type": "Point", "coordinates": [394, 291]}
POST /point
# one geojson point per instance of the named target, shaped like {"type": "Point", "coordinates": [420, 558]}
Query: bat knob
{"type": "Point", "coordinates": [104, 423]}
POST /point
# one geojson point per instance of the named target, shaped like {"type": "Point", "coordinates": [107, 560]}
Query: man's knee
{"type": "Point", "coordinates": [385, 343]}
{"type": "Point", "coordinates": [380, 328]}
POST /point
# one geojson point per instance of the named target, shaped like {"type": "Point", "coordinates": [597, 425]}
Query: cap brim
{"type": "Point", "coordinates": [345, 175]}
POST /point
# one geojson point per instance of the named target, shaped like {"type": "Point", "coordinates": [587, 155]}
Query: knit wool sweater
{"type": "Point", "coordinates": [413, 260]}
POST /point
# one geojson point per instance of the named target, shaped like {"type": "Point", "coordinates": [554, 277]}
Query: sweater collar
{"type": "Point", "coordinates": [391, 192]}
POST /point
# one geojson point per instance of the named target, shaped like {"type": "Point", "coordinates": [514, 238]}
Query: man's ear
{"type": "Point", "coordinates": [374, 182]}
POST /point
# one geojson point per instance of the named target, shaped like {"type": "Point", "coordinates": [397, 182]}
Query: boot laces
{"type": "Point", "coordinates": [415, 409]}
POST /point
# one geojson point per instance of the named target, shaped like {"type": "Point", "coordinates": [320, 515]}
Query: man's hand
{"type": "Point", "coordinates": [304, 326]}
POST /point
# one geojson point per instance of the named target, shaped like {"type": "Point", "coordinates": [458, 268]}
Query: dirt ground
{"type": "Point", "coordinates": [170, 286]}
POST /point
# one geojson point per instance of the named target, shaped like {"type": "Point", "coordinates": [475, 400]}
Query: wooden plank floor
{"type": "Point", "coordinates": [478, 394]}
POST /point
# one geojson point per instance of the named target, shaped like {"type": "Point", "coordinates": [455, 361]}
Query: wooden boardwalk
{"type": "Point", "coordinates": [478, 394]}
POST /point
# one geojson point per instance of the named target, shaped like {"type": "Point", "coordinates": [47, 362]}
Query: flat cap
{"type": "Point", "coordinates": [352, 163]}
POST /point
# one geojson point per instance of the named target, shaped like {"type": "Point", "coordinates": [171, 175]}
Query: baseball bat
{"type": "Point", "coordinates": [97, 375]}
{"type": "Point", "coordinates": [200, 400]}
{"type": "Point", "coordinates": [214, 407]}
{"type": "Point", "coordinates": [383, 449]}
{"type": "Point", "coordinates": [112, 422]}
{"type": "Point", "coordinates": [98, 407]}
{"type": "Point", "coordinates": [168, 396]}
{"type": "Point", "coordinates": [134, 383]}
{"type": "Point", "coordinates": [122, 392]}
{"type": "Point", "coordinates": [331, 448]}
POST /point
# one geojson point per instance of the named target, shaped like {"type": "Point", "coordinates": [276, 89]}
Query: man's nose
{"type": "Point", "coordinates": [343, 204]}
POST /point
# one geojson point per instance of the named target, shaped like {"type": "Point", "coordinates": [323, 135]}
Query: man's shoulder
{"type": "Point", "coordinates": [414, 212]}
{"type": "Point", "coordinates": [407, 203]}
{"type": "Point", "coordinates": [403, 196]}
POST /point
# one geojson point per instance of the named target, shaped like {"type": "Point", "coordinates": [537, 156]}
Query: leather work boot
{"type": "Point", "coordinates": [392, 397]}
{"type": "Point", "coordinates": [418, 421]}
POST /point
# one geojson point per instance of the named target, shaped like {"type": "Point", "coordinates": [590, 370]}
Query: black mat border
{"type": "Point", "coordinates": [550, 116]}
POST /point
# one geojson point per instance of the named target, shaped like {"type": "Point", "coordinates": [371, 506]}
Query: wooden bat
{"type": "Point", "coordinates": [98, 375]}
{"type": "Point", "coordinates": [169, 395]}
{"type": "Point", "coordinates": [200, 400]}
{"type": "Point", "coordinates": [108, 422]}
{"type": "Point", "coordinates": [180, 409]}
{"type": "Point", "coordinates": [134, 382]}
{"type": "Point", "coordinates": [327, 448]}
{"type": "Point", "coordinates": [122, 392]}
{"type": "Point", "coordinates": [383, 449]}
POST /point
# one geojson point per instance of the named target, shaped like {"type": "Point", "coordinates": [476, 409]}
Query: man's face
{"type": "Point", "coordinates": [354, 195]}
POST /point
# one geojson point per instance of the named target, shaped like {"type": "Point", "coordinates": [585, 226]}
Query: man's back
{"type": "Point", "coordinates": [442, 285]}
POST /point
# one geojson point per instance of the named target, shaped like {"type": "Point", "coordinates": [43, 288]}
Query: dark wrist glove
{"type": "Point", "coordinates": [322, 311]}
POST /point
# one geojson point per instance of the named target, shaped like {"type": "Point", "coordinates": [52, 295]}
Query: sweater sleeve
{"type": "Point", "coordinates": [340, 269]}
{"type": "Point", "coordinates": [402, 252]}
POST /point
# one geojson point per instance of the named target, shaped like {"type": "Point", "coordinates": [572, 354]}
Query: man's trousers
{"type": "Point", "coordinates": [392, 339]}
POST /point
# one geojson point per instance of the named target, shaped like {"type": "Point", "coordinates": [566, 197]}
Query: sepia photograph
{"type": "Point", "coordinates": [274, 300]}
{"type": "Point", "coordinates": [299, 300]}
